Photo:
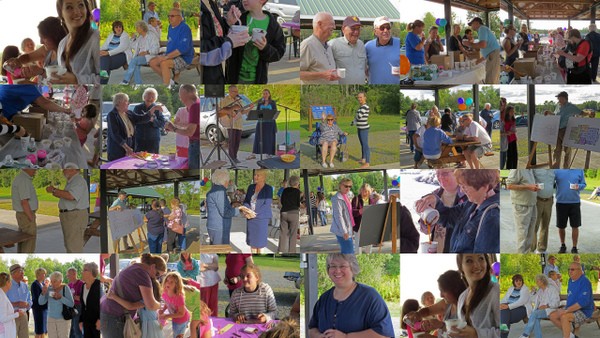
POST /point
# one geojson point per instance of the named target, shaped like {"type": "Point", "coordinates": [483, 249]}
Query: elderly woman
{"type": "Point", "coordinates": [359, 309]}
{"type": "Point", "coordinates": [7, 312]}
{"type": "Point", "coordinates": [343, 222]}
{"type": "Point", "coordinates": [133, 284]}
{"type": "Point", "coordinates": [56, 295]}
{"type": "Point", "coordinates": [78, 51]}
{"type": "Point", "coordinates": [475, 224]}
{"type": "Point", "coordinates": [258, 198]}
{"type": "Point", "coordinates": [449, 194]}
{"type": "Point", "coordinates": [451, 287]}
{"type": "Point", "coordinates": [145, 46]}
{"type": "Point", "coordinates": [433, 45]}
{"type": "Point", "coordinates": [115, 52]}
{"type": "Point", "coordinates": [254, 302]}
{"type": "Point", "coordinates": [358, 203]}
{"type": "Point", "coordinates": [219, 211]}
{"type": "Point", "coordinates": [455, 42]}
{"type": "Point", "coordinates": [415, 43]}
{"type": "Point", "coordinates": [516, 304]}
{"type": "Point", "coordinates": [147, 134]}
{"type": "Point", "coordinates": [51, 32]}
{"type": "Point", "coordinates": [209, 281]}
{"type": "Point", "coordinates": [330, 133]}
{"type": "Point", "coordinates": [40, 312]}
{"type": "Point", "coordinates": [89, 319]}
{"type": "Point", "coordinates": [290, 216]}
{"type": "Point", "coordinates": [545, 300]}
{"type": "Point", "coordinates": [121, 122]}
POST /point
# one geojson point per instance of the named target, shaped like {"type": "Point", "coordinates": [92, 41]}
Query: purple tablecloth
{"type": "Point", "coordinates": [219, 323]}
{"type": "Point", "coordinates": [130, 163]}
{"type": "Point", "coordinates": [292, 25]}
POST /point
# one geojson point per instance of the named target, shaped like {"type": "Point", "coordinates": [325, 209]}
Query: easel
{"type": "Point", "coordinates": [392, 213]}
{"type": "Point", "coordinates": [137, 247]}
{"type": "Point", "coordinates": [539, 165]}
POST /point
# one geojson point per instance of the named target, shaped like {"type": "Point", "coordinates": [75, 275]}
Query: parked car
{"type": "Point", "coordinates": [521, 120]}
{"type": "Point", "coordinates": [107, 106]}
{"type": "Point", "coordinates": [283, 10]}
{"type": "Point", "coordinates": [208, 121]}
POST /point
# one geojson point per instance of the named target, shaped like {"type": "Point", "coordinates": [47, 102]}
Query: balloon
{"type": "Point", "coordinates": [469, 101]}
{"type": "Point", "coordinates": [96, 14]}
{"type": "Point", "coordinates": [202, 183]}
{"type": "Point", "coordinates": [496, 268]}
{"type": "Point", "coordinates": [442, 30]}
{"type": "Point", "coordinates": [208, 185]}
{"type": "Point", "coordinates": [205, 179]}
{"type": "Point", "coordinates": [94, 25]}
{"type": "Point", "coordinates": [319, 189]}
{"type": "Point", "coordinates": [437, 21]}
{"type": "Point", "coordinates": [494, 279]}
{"type": "Point", "coordinates": [461, 100]}
{"type": "Point", "coordinates": [462, 106]}
{"type": "Point", "coordinates": [443, 22]}
{"type": "Point", "coordinates": [404, 65]}
{"type": "Point", "coordinates": [394, 183]}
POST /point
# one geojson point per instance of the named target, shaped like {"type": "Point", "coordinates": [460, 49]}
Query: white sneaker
{"type": "Point", "coordinates": [524, 336]}
{"type": "Point", "coordinates": [331, 165]}
{"type": "Point", "coordinates": [571, 335]}
{"type": "Point", "coordinates": [124, 83]}
{"type": "Point", "coordinates": [324, 165]}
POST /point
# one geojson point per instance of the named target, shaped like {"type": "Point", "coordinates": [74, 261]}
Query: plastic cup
{"type": "Point", "coordinates": [427, 247]}
{"type": "Point", "coordinates": [51, 69]}
{"type": "Point", "coordinates": [258, 34]}
{"type": "Point", "coordinates": [67, 141]}
{"type": "Point", "coordinates": [395, 70]}
{"type": "Point", "coordinates": [574, 186]}
{"type": "Point", "coordinates": [456, 65]}
{"type": "Point", "coordinates": [239, 28]}
{"type": "Point", "coordinates": [46, 144]}
{"type": "Point", "coordinates": [58, 144]}
{"type": "Point", "coordinates": [341, 72]}
{"type": "Point", "coordinates": [24, 142]}
{"type": "Point", "coordinates": [32, 158]}
{"type": "Point", "coordinates": [540, 186]}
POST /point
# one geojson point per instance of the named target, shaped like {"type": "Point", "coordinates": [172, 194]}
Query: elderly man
{"type": "Point", "coordinates": [349, 52]}
{"type": "Point", "coordinates": [523, 188]}
{"type": "Point", "coordinates": [383, 52]}
{"type": "Point", "coordinates": [490, 50]}
{"type": "Point", "coordinates": [180, 50]}
{"type": "Point", "coordinates": [25, 203]}
{"type": "Point", "coordinates": [580, 302]}
{"type": "Point", "coordinates": [189, 97]}
{"type": "Point", "coordinates": [488, 116]}
{"type": "Point", "coordinates": [20, 299]}
{"type": "Point", "coordinates": [565, 109]}
{"type": "Point", "coordinates": [475, 132]}
{"type": "Point", "coordinates": [545, 200]}
{"type": "Point", "coordinates": [569, 183]}
{"type": "Point", "coordinates": [317, 65]}
{"type": "Point", "coordinates": [413, 123]}
{"type": "Point", "coordinates": [120, 204]}
{"type": "Point", "coordinates": [73, 205]}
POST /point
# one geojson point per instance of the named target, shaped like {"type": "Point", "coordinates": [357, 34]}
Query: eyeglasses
{"type": "Point", "coordinates": [348, 186]}
{"type": "Point", "coordinates": [172, 16]}
{"type": "Point", "coordinates": [329, 120]}
{"type": "Point", "coordinates": [384, 27]}
{"type": "Point", "coordinates": [336, 267]}
{"type": "Point", "coordinates": [573, 269]}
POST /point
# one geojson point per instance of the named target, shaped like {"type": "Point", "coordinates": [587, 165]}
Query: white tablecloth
{"type": "Point", "coordinates": [475, 75]}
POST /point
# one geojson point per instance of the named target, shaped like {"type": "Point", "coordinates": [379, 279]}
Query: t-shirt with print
{"type": "Point", "coordinates": [173, 305]}
{"type": "Point", "coordinates": [251, 53]}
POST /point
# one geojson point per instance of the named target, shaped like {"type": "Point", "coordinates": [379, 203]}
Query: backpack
{"type": "Point", "coordinates": [587, 66]}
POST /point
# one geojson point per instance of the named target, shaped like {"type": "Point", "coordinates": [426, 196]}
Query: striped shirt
{"type": "Point", "coordinates": [362, 117]}
{"type": "Point", "coordinates": [251, 304]}
{"type": "Point", "coordinates": [6, 129]}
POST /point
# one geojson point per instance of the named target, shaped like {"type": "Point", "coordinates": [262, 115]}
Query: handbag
{"type": "Point", "coordinates": [177, 228]}
{"type": "Point", "coordinates": [68, 312]}
{"type": "Point", "coordinates": [132, 329]}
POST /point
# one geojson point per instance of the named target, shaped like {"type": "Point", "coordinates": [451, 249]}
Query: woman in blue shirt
{"type": "Point", "coordinates": [56, 295]}
{"type": "Point", "coordinates": [265, 130]}
{"type": "Point", "coordinates": [415, 42]}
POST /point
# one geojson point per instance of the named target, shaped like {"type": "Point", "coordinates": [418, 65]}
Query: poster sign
{"type": "Point", "coordinates": [545, 129]}
{"type": "Point", "coordinates": [583, 133]}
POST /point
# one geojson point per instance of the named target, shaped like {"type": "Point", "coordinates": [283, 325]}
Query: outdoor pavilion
{"type": "Point", "coordinates": [340, 9]}
{"type": "Point", "coordinates": [551, 10]}
{"type": "Point", "coordinates": [123, 179]}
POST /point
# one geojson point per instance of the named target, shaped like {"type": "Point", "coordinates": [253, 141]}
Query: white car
{"type": "Point", "coordinates": [283, 10]}
{"type": "Point", "coordinates": [208, 120]}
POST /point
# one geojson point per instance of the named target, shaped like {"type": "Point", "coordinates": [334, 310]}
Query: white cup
{"type": "Point", "coordinates": [51, 294]}
{"type": "Point", "coordinates": [67, 141]}
{"type": "Point", "coordinates": [258, 33]}
{"type": "Point", "coordinates": [540, 186]}
{"type": "Point", "coordinates": [450, 323]}
{"type": "Point", "coordinates": [341, 72]}
{"type": "Point", "coordinates": [574, 186]}
{"type": "Point", "coordinates": [238, 28]}
{"type": "Point", "coordinates": [430, 216]}
{"type": "Point", "coordinates": [395, 70]}
{"type": "Point", "coordinates": [456, 65]}
{"type": "Point", "coordinates": [58, 144]}
{"type": "Point", "coordinates": [427, 247]}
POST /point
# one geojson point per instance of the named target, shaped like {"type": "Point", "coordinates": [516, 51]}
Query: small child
{"type": "Point", "coordinates": [433, 139]}
{"type": "Point", "coordinates": [174, 297]}
{"type": "Point", "coordinates": [193, 304]}
{"type": "Point", "coordinates": [85, 123]}
{"type": "Point", "coordinates": [204, 321]}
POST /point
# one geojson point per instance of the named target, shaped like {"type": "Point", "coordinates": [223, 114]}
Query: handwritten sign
{"type": "Point", "coordinates": [545, 129]}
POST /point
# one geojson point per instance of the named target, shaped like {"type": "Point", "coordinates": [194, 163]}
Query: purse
{"type": "Point", "coordinates": [132, 329]}
{"type": "Point", "coordinates": [68, 312]}
{"type": "Point", "coordinates": [177, 228]}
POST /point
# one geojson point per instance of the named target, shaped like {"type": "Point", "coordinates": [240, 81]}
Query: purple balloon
{"type": "Point", "coordinates": [96, 14]}
{"type": "Point", "coordinates": [394, 183]}
{"type": "Point", "coordinates": [461, 100]}
{"type": "Point", "coordinates": [496, 268]}
{"type": "Point", "coordinates": [437, 21]}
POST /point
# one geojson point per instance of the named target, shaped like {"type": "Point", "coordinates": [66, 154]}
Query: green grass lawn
{"type": "Point", "coordinates": [48, 204]}
{"type": "Point", "coordinates": [377, 123]}
{"type": "Point", "coordinates": [277, 263]}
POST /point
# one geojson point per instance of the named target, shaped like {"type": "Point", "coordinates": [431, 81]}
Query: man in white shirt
{"type": "Point", "coordinates": [475, 132]}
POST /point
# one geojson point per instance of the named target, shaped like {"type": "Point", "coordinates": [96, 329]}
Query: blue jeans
{"type": "Point", "coordinates": [512, 316]}
{"type": "Point", "coordinates": [346, 245]}
{"type": "Point", "coordinates": [181, 240]}
{"type": "Point", "coordinates": [111, 62]}
{"type": "Point", "coordinates": [179, 329]}
{"type": "Point", "coordinates": [363, 137]}
{"type": "Point", "coordinates": [135, 66]}
{"type": "Point", "coordinates": [155, 243]}
{"type": "Point", "coordinates": [194, 155]}
{"type": "Point", "coordinates": [75, 331]}
{"type": "Point", "coordinates": [410, 140]}
{"type": "Point", "coordinates": [534, 323]}
{"type": "Point", "coordinates": [323, 215]}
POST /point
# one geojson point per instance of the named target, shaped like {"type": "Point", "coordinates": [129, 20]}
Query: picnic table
{"type": "Point", "coordinates": [162, 162]}
{"type": "Point", "coordinates": [226, 327]}
{"type": "Point", "coordinates": [277, 163]}
{"type": "Point", "coordinates": [9, 237]}
{"type": "Point", "coordinates": [450, 153]}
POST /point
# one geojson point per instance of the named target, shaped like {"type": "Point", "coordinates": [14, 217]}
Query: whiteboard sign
{"type": "Point", "coordinates": [583, 133]}
{"type": "Point", "coordinates": [545, 129]}
{"type": "Point", "coordinates": [124, 222]}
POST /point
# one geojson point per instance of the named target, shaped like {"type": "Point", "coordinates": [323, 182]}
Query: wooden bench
{"type": "Point", "coordinates": [594, 318]}
{"type": "Point", "coordinates": [222, 248]}
{"type": "Point", "coordinates": [9, 237]}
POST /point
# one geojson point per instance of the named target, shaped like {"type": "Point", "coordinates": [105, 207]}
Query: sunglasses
{"type": "Point", "coordinates": [329, 120]}
{"type": "Point", "coordinates": [384, 27]}
{"type": "Point", "coordinates": [348, 186]}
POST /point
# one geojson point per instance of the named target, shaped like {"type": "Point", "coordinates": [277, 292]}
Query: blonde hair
{"type": "Point", "coordinates": [175, 202]}
{"type": "Point", "coordinates": [344, 181]}
{"type": "Point", "coordinates": [434, 121]}
{"type": "Point", "coordinates": [178, 282]}
{"type": "Point", "coordinates": [4, 278]}
{"type": "Point", "coordinates": [38, 271]}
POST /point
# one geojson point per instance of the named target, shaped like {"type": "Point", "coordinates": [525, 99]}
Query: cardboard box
{"type": "Point", "coordinates": [456, 57]}
{"type": "Point", "coordinates": [441, 61]}
{"type": "Point", "coordinates": [525, 66]}
{"type": "Point", "coordinates": [530, 54]}
{"type": "Point", "coordinates": [33, 123]}
{"type": "Point", "coordinates": [38, 109]}
{"type": "Point", "coordinates": [473, 55]}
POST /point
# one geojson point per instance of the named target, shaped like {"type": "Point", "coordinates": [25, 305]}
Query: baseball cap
{"type": "Point", "coordinates": [380, 21]}
{"type": "Point", "coordinates": [351, 21]}
{"type": "Point", "coordinates": [563, 94]}
{"type": "Point", "coordinates": [15, 267]}
{"type": "Point", "coordinates": [478, 19]}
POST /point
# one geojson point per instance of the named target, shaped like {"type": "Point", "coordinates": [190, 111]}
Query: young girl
{"type": "Point", "coordinates": [250, 63]}
{"type": "Point", "coordinates": [174, 298]}
{"type": "Point", "coordinates": [150, 326]}
{"type": "Point", "coordinates": [433, 139]}
{"type": "Point", "coordinates": [194, 305]}
{"type": "Point", "coordinates": [85, 123]}
{"type": "Point", "coordinates": [204, 321]}
{"type": "Point", "coordinates": [174, 217]}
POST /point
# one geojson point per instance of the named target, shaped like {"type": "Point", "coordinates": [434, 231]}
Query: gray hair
{"type": "Point", "coordinates": [350, 258]}
{"type": "Point", "coordinates": [56, 276]}
{"type": "Point", "coordinates": [142, 25]}
{"type": "Point", "coordinates": [542, 278]}
{"type": "Point", "coordinates": [294, 181]}
{"type": "Point", "coordinates": [72, 269]}
{"type": "Point", "coordinates": [220, 177]}
{"type": "Point", "coordinates": [150, 91]}
{"type": "Point", "coordinates": [487, 104]}
{"type": "Point", "coordinates": [321, 16]}
{"type": "Point", "coordinates": [92, 268]}
{"type": "Point", "coordinates": [119, 98]}
{"type": "Point", "coordinates": [188, 88]}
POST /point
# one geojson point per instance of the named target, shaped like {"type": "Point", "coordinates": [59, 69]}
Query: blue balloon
{"type": "Point", "coordinates": [469, 101]}
{"type": "Point", "coordinates": [443, 22]}
{"type": "Point", "coordinates": [461, 100]}
{"type": "Point", "coordinates": [394, 183]}
{"type": "Point", "coordinates": [202, 183]}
